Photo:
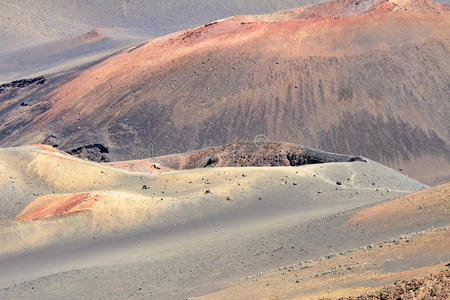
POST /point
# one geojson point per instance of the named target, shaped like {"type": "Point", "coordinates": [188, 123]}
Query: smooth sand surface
{"type": "Point", "coordinates": [161, 235]}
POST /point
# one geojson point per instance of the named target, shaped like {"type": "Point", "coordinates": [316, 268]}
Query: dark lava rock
{"type": "Point", "coordinates": [93, 152]}
{"type": "Point", "coordinates": [51, 140]}
{"type": "Point", "coordinates": [23, 83]}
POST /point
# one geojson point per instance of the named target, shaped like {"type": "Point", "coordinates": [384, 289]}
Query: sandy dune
{"type": "Point", "coordinates": [161, 234]}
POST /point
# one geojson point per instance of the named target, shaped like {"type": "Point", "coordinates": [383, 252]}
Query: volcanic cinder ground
{"type": "Point", "coordinates": [28, 22]}
{"type": "Point", "coordinates": [37, 36]}
{"type": "Point", "coordinates": [156, 172]}
{"type": "Point", "coordinates": [71, 228]}
{"type": "Point", "coordinates": [361, 77]}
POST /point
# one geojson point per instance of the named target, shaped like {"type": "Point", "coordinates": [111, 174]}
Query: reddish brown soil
{"type": "Point", "coordinates": [57, 205]}
{"type": "Point", "coordinates": [428, 203]}
{"type": "Point", "coordinates": [433, 286]}
{"type": "Point", "coordinates": [359, 77]}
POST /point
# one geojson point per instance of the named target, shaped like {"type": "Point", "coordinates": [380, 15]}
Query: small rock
{"type": "Point", "coordinates": [338, 183]}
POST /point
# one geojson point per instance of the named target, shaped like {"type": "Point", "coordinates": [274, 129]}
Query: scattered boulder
{"type": "Point", "coordinates": [51, 140]}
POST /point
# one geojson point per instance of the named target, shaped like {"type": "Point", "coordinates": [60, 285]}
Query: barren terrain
{"type": "Point", "coordinates": [187, 166]}
{"type": "Point", "coordinates": [365, 79]}
{"type": "Point", "coordinates": [81, 223]}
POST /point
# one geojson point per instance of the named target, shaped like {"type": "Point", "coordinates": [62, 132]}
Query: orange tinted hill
{"type": "Point", "coordinates": [358, 77]}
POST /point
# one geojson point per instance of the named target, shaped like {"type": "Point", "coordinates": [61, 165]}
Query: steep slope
{"type": "Point", "coordinates": [355, 77]}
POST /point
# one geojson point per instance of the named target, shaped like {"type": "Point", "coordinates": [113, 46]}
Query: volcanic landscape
{"type": "Point", "coordinates": [297, 154]}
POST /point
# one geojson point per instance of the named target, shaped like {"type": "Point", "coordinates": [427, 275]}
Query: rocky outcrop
{"type": "Point", "coordinates": [23, 83]}
{"type": "Point", "coordinates": [94, 152]}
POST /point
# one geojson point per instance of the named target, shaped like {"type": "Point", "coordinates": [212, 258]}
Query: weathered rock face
{"type": "Point", "coordinates": [366, 79]}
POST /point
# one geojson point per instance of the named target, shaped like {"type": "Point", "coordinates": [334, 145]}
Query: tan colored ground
{"type": "Point", "coordinates": [412, 206]}
{"type": "Point", "coordinates": [63, 214]}
{"type": "Point", "coordinates": [361, 271]}
{"type": "Point", "coordinates": [46, 190]}
{"type": "Point", "coordinates": [346, 75]}
{"type": "Point", "coordinates": [351, 274]}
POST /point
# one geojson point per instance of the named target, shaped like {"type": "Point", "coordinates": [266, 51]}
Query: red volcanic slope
{"type": "Point", "coordinates": [57, 205]}
{"type": "Point", "coordinates": [359, 77]}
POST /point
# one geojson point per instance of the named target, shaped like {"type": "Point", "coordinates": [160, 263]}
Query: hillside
{"type": "Point", "coordinates": [78, 229]}
{"type": "Point", "coordinates": [27, 22]}
{"type": "Point", "coordinates": [65, 54]}
{"type": "Point", "coordinates": [356, 77]}
{"type": "Point", "coordinates": [366, 270]}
